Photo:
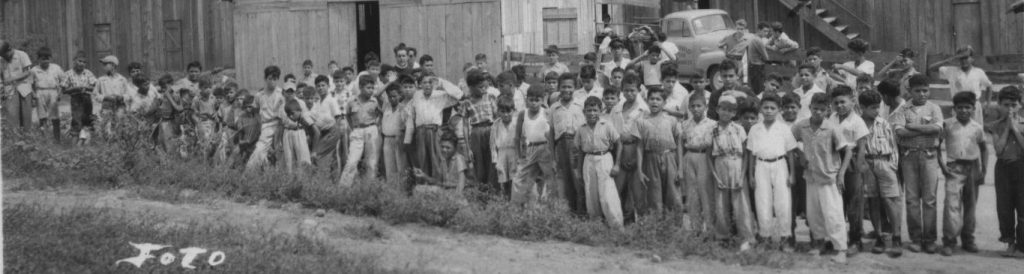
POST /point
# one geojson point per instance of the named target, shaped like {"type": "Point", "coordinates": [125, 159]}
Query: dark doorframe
{"type": "Point", "coordinates": [367, 32]}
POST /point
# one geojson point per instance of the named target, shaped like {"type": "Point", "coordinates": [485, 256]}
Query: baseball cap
{"type": "Point", "coordinates": [110, 59]}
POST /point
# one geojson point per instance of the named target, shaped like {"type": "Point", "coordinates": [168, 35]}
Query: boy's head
{"type": "Point", "coordinates": [535, 97]}
{"type": "Point", "coordinates": [698, 105]}
{"type": "Point", "coordinates": [134, 68]}
{"type": "Point", "coordinates": [865, 83]}
{"type": "Point", "coordinates": [588, 74]}
{"type": "Point", "coordinates": [669, 78]}
{"type": "Point", "coordinates": [481, 60]}
{"type": "Point", "coordinates": [165, 82]}
{"type": "Point", "coordinates": [566, 86]}
{"type": "Point", "coordinates": [333, 66]}
{"type": "Point", "coordinates": [289, 79]}
{"type": "Point", "coordinates": [919, 90]}
{"type": "Point", "coordinates": [366, 85]}
{"type": "Point", "coordinates": [790, 107]}
{"type": "Point", "coordinates": [447, 144]}
{"type": "Point", "coordinates": [764, 30]}
{"type": "Point", "coordinates": [551, 80]}
{"type": "Point", "coordinates": [631, 87]}
{"type": "Point", "coordinates": [322, 83]}
{"type": "Point", "coordinates": [79, 62]}
{"type": "Point", "coordinates": [747, 111]}
{"type": "Point", "coordinates": [963, 104]}
{"type": "Point", "coordinates": [520, 72]}
{"type": "Point", "coordinates": [888, 89]}
{"type": "Point", "coordinates": [507, 82]}
{"type": "Point", "coordinates": [776, 28]}
{"type": "Point", "coordinates": [654, 53]}
{"type": "Point", "coordinates": [966, 55]}
{"type": "Point", "coordinates": [1009, 98]}
{"type": "Point", "coordinates": [339, 78]}
{"type": "Point", "coordinates": [270, 76]}
{"type": "Point", "coordinates": [408, 85]}
{"type": "Point", "coordinates": [348, 73]}
{"type": "Point", "coordinates": [401, 55]}
{"type": "Point", "coordinates": [842, 100]}
{"type": "Point", "coordinates": [309, 94]}
{"type": "Point", "coordinates": [477, 82]}
{"type": "Point", "coordinates": [770, 106]}
{"type": "Point", "coordinates": [617, 75]}
{"type": "Point", "coordinates": [819, 106]}
{"type": "Point", "coordinates": [858, 47]}
{"type": "Point", "coordinates": [729, 73]}
{"type": "Point", "coordinates": [506, 107]}
{"type": "Point", "coordinates": [193, 70]}
{"type": "Point", "coordinates": [610, 96]}
{"type": "Point", "coordinates": [307, 67]}
{"type": "Point", "coordinates": [656, 99]}
{"type": "Point", "coordinates": [394, 92]}
{"type": "Point", "coordinates": [589, 59]}
{"type": "Point", "coordinates": [618, 49]}
{"type": "Point", "coordinates": [726, 108]}
{"type": "Point", "coordinates": [552, 53]}
{"type": "Point", "coordinates": [699, 82]}
{"type": "Point", "coordinates": [813, 57]}
{"type": "Point", "coordinates": [373, 67]}
{"type": "Point", "coordinates": [592, 109]}
{"type": "Point", "coordinates": [870, 102]}
{"type": "Point", "coordinates": [772, 83]}
{"type": "Point", "coordinates": [427, 63]}
{"type": "Point", "coordinates": [109, 64]}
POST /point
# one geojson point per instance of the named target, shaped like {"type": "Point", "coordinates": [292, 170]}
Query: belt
{"type": "Point", "coordinates": [697, 150]}
{"type": "Point", "coordinates": [660, 151]}
{"type": "Point", "coordinates": [634, 141]}
{"type": "Point", "coordinates": [536, 143]}
{"type": "Point", "coordinates": [877, 156]}
{"type": "Point", "coordinates": [390, 136]}
{"type": "Point", "coordinates": [365, 125]}
{"type": "Point", "coordinates": [482, 124]}
{"type": "Point", "coordinates": [920, 149]}
{"type": "Point", "coordinates": [430, 127]}
{"type": "Point", "coordinates": [771, 160]}
{"type": "Point", "coordinates": [597, 153]}
{"type": "Point", "coordinates": [565, 136]}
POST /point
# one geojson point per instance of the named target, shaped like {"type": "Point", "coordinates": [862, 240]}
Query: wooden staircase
{"type": "Point", "coordinates": [828, 22]}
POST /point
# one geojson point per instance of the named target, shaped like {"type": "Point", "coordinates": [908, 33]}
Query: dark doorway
{"type": "Point", "coordinates": [367, 32]}
{"type": "Point", "coordinates": [704, 4]}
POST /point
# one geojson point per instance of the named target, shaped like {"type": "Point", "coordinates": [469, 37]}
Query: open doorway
{"type": "Point", "coordinates": [704, 4]}
{"type": "Point", "coordinates": [367, 32]}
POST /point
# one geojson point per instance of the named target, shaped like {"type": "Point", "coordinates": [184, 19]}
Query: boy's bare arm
{"type": "Point", "coordinates": [847, 157]}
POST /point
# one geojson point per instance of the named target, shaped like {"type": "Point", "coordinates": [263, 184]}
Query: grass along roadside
{"type": "Point", "coordinates": [115, 164]}
{"type": "Point", "coordinates": [91, 240]}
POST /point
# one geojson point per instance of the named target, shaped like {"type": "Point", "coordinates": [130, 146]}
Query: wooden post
{"type": "Point", "coordinates": [757, 16]}
{"type": "Point", "coordinates": [800, 18]}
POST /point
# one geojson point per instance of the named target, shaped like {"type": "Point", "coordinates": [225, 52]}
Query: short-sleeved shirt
{"type": "Point", "coordinates": [309, 80]}
{"type": "Point", "coordinates": [658, 132]}
{"type": "Point", "coordinates": [566, 118]}
{"type": "Point", "coordinates": [481, 111]}
{"type": "Point", "coordinates": [678, 99]}
{"type": "Point", "coordinates": [620, 123]}
{"type": "Point", "coordinates": [668, 49]}
{"type": "Point", "coordinates": [910, 114]}
{"type": "Point", "coordinates": [393, 120]}
{"type": "Point", "coordinates": [111, 85]}
{"type": "Point", "coordinates": [631, 117]}
{"type": "Point", "coordinates": [322, 114]}
{"type": "Point", "coordinates": [50, 78]}
{"type": "Point", "coordinates": [805, 100]}
{"type": "Point", "coordinates": [866, 67]}
{"type": "Point", "coordinates": [18, 64]}
{"type": "Point", "coordinates": [850, 129]}
{"type": "Point", "coordinates": [364, 112]}
{"type": "Point", "coordinates": [453, 167]}
{"type": "Point", "coordinates": [79, 80]}
{"type": "Point", "coordinates": [557, 68]}
{"type": "Point", "coordinates": [697, 135]}
{"type": "Point", "coordinates": [503, 135]}
{"type": "Point", "coordinates": [270, 105]}
{"type": "Point", "coordinates": [728, 140]}
{"type": "Point", "coordinates": [820, 150]}
{"type": "Point", "coordinates": [962, 140]}
{"type": "Point", "coordinates": [598, 138]}
{"type": "Point", "coordinates": [611, 65]}
{"type": "Point", "coordinates": [881, 140]}
{"type": "Point", "coordinates": [770, 142]}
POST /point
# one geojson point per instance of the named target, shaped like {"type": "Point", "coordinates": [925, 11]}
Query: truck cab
{"type": "Point", "coordinates": [697, 33]}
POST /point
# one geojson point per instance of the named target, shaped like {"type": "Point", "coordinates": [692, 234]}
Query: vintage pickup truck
{"type": "Point", "coordinates": [697, 34]}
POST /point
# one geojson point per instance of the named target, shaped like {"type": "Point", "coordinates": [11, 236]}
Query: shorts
{"type": "Point", "coordinates": [47, 103]}
{"type": "Point", "coordinates": [880, 179]}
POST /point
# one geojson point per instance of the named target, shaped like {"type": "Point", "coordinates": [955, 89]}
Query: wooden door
{"type": "Point", "coordinates": [967, 24]}
{"type": "Point", "coordinates": [560, 29]}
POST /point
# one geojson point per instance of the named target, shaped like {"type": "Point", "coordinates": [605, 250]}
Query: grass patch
{"type": "Point", "coordinates": [90, 240]}
{"type": "Point", "coordinates": [123, 163]}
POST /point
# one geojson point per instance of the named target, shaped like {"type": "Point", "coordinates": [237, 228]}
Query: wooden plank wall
{"type": "Point", "coordinates": [285, 33]}
{"type": "Point", "coordinates": [136, 30]}
{"type": "Point", "coordinates": [523, 23]}
{"type": "Point", "coordinates": [467, 28]}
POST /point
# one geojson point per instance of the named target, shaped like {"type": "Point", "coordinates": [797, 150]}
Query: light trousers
{"type": "Point", "coordinates": [363, 146]}
{"type": "Point", "coordinates": [258, 158]}
{"type": "Point", "coordinates": [296, 149]}
{"type": "Point", "coordinates": [535, 173]}
{"type": "Point", "coordinates": [825, 213]}
{"type": "Point", "coordinates": [601, 194]}
{"type": "Point", "coordinates": [732, 203]}
{"type": "Point", "coordinates": [396, 164]}
{"type": "Point", "coordinates": [772, 198]}
{"type": "Point", "coordinates": [700, 190]}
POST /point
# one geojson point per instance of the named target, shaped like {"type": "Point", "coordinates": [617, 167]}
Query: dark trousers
{"type": "Point", "coordinates": [427, 154]}
{"type": "Point", "coordinates": [81, 113]}
{"type": "Point", "coordinates": [633, 193]}
{"type": "Point", "coordinates": [755, 76]}
{"type": "Point", "coordinates": [1010, 201]}
{"type": "Point", "coordinates": [799, 190]}
{"type": "Point", "coordinates": [571, 187]}
{"type": "Point", "coordinates": [483, 165]}
{"type": "Point", "coordinates": [853, 205]}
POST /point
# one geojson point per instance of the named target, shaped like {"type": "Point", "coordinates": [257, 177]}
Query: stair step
{"type": "Point", "coordinates": [842, 28]}
{"type": "Point", "coordinates": [829, 20]}
{"type": "Point", "coordinates": [852, 36]}
{"type": "Point", "coordinates": [819, 12]}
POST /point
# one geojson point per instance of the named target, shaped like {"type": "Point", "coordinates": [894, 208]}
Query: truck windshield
{"type": "Point", "coordinates": [712, 23]}
{"type": "Point", "coordinates": [677, 28]}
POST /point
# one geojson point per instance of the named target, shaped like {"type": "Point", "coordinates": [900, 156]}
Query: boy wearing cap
{"type": "Point", "coordinates": [727, 171]}
{"type": "Point", "coordinates": [553, 65]}
{"type": "Point", "coordinates": [919, 124]}
{"type": "Point", "coordinates": [534, 145]}
{"type": "Point", "coordinates": [78, 84]}
{"type": "Point", "coordinates": [596, 140]}
{"type": "Point", "coordinates": [821, 140]}
{"type": "Point", "coordinates": [111, 89]}
{"type": "Point", "coordinates": [270, 103]}
{"type": "Point", "coordinates": [48, 78]}
{"type": "Point", "coordinates": [964, 76]}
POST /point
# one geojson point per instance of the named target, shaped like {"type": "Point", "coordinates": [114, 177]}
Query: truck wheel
{"type": "Point", "coordinates": [714, 78]}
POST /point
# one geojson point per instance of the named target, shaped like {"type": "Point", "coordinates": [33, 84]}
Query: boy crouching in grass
{"type": "Point", "coordinates": [877, 168]}
{"type": "Point", "coordinates": [596, 140]}
{"type": "Point", "coordinates": [968, 156]}
{"type": "Point", "coordinates": [824, 201]}
{"type": "Point", "coordinates": [452, 177]}
{"type": "Point", "coordinates": [727, 169]}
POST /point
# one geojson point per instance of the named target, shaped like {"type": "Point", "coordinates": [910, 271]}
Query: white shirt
{"type": "Point", "coordinates": [770, 142]}
{"type": "Point", "coordinates": [975, 80]}
{"type": "Point", "coordinates": [805, 101]}
{"type": "Point", "coordinates": [323, 112]}
{"type": "Point", "coordinates": [611, 65]}
{"type": "Point", "coordinates": [678, 100]}
{"type": "Point", "coordinates": [428, 110]}
{"type": "Point", "coordinates": [519, 96]}
{"type": "Point", "coordinates": [668, 49]}
{"type": "Point", "coordinates": [867, 67]}
{"type": "Point", "coordinates": [535, 129]}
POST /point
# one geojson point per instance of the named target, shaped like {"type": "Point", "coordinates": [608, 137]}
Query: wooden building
{"type": "Point", "coordinates": [164, 35]}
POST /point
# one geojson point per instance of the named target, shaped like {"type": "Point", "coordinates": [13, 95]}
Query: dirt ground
{"type": "Point", "coordinates": [434, 249]}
